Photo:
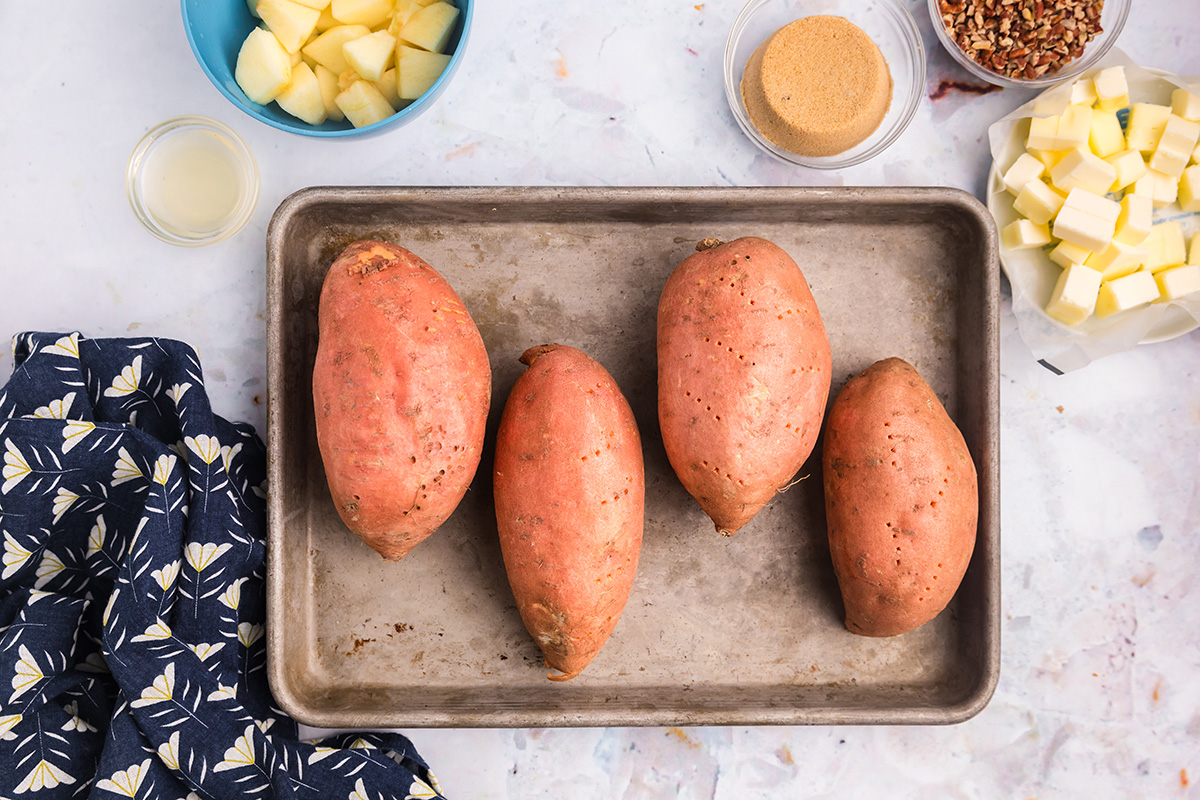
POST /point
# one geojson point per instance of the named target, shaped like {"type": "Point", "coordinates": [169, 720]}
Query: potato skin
{"type": "Point", "coordinates": [570, 496]}
{"type": "Point", "coordinates": [743, 375]}
{"type": "Point", "coordinates": [401, 389]}
{"type": "Point", "coordinates": [901, 500]}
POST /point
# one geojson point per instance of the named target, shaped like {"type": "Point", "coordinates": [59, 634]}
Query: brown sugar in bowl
{"type": "Point", "coordinates": [818, 86]}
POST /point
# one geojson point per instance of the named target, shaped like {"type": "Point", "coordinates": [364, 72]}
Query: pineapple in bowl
{"type": "Point", "coordinates": [329, 67]}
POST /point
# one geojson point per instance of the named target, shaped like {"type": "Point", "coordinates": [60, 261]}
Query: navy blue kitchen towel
{"type": "Point", "coordinates": [132, 596]}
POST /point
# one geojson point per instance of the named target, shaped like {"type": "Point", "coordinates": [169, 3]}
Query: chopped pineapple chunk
{"type": "Point", "coordinates": [370, 55]}
{"type": "Point", "coordinates": [264, 67]}
{"type": "Point", "coordinates": [356, 60]}
{"type": "Point", "coordinates": [363, 104]}
{"type": "Point", "coordinates": [326, 49]}
{"type": "Point", "coordinates": [302, 97]}
{"type": "Point", "coordinates": [291, 22]}
{"type": "Point", "coordinates": [418, 70]}
{"type": "Point", "coordinates": [403, 13]}
{"type": "Point", "coordinates": [347, 79]}
{"type": "Point", "coordinates": [328, 83]}
{"type": "Point", "coordinates": [326, 20]}
{"type": "Point", "coordinates": [362, 12]}
{"type": "Point", "coordinates": [388, 85]}
{"type": "Point", "coordinates": [431, 27]}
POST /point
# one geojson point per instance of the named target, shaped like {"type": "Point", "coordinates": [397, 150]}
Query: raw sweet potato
{"type": "Point", "coordinates": [570, 493]}
{"type": "Point", "coordinates": [743, 375]}
{"type": "Point", "coordinates": [401, 388]}
{"type": "Point", "coordinates": [901, 500]}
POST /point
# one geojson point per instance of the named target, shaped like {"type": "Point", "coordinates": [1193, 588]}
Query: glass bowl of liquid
{"type": "Point", "coordinates": [192, 181]}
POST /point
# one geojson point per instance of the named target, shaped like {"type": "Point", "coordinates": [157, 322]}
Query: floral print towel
{"type": "Point", "coordinates": [132, 596]}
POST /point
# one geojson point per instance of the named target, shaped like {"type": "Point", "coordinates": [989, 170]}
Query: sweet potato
{"type": "Point", "coordinates": [401, 389]}
{"type": "Point", "coordinates": [570, 494]}
{"type": "Point", "coordinates": [901, 500]}
{"type": "Point", "coordinates": [743, 375]}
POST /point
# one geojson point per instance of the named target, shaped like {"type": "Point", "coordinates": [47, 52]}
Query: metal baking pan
{"type": "Point", "coordinates": [726, 631]}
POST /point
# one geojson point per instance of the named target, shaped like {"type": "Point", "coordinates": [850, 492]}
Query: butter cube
{"type": "Point", "coordinates": [1087, 220]}
{"type": "Point", "coordinates": [1196, 155]}
{"type": "Point", "coordinates": [1175, 146]}
{"type": "Point", "coordinates": [1074, 296]}
{"type": "Point", "coordinates": [1038, 201]}
{"type": "Point", "coordinates": [1179, 133]}
{"type": "Point", "coordinates": [1082, 169]}
{"type": "Point", "coordinates": [1145, 126]}
{"type": "Point", "coordinates": [1117, 260]}
{"type": "Point", "coordinates": [1024, 234]}
{"type": "Point", "coordinates": [1129, 166]}
{"type": "Point", "coordinates": [1025, 169]}
{"type": "Point", "coordinates": [1161, 189]}
{"type": "Point", "coordinates": [1164, 246]}
{"type": "Point", "coordinates": [1122, 294]}
{"type": "Point", "coordinates": [1083, 92]}
{"type": "Point", "coordinates": [1074, 127]}
{"type": "Point", "coordinates": [1194, 249]}
{"type": "Point", "coordinates": [1043, 133]}
{"type": "Point", "coordinates": [1068, 130]}
{"type": "Point", "coordinates": [1112, 90]}
{"type": "Point", "coordinates": [1183, 104]}
{"type": "Point", "coordinates": [1177, 282]}
{"type": "Point", "coordinates": [1144, 186]}
{"type": "Point", "coordinates": [1065, 254]}
{"type": "Point", "coordinates": [1135, 220]}
{"type": "Point", "coordinates": [1189, 189]}
{"type": "Point", "coordinates": [1048, 157]}
{"type": "Point", "coordinates": [1106, 136]}
{"type": "Point", "coordinates": [1082, 229]}
{"type": "Point", "coordinates": [1096, 205]}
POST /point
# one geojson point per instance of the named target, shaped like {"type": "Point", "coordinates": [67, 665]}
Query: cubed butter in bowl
{"type": "Point", "coordinates": [329, 68]}
{"type": "Point", "coordinates": [1095, 188]}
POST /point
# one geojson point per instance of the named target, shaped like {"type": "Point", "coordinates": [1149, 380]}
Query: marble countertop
{"type": "Point", "coordinates": [1099, 693]}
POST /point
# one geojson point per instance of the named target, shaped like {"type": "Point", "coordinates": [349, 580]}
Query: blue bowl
{"type": "Point", "coordinates": [217, 28]}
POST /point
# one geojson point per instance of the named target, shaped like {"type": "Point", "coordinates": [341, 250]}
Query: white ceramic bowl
{"type": "Point", "coordinates": [1032, 274]}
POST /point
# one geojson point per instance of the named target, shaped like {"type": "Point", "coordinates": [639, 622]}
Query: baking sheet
{"type": "Point", "coordinates": [729, 631]}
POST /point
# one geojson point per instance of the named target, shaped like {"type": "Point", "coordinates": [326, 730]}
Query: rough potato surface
{"type": "Point", "coordinates": [901, 500]}
{"type": "Point", "coordinates": [570, 497]}
{"type": "Point", "coordinates": [743, 375]}
{"type": "Point", "coordinates": [401, 389]}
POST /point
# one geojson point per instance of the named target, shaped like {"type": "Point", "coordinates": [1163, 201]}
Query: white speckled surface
{"type": "Point", "coordinates": [1099, 694]}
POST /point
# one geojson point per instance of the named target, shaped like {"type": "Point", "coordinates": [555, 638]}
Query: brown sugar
{"type": "Point", "coordinates": [817, 86]}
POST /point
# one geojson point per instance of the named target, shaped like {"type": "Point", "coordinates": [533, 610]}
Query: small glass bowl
{"type": "Point", "coordinates": [1112, 20]}
{"type": "Point", "coordinates": [888, 24]}
{"type": "Point", "coordinates": [192, 181]}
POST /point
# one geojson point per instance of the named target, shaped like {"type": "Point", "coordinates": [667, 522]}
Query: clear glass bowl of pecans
{"type": "Point", "coordinates": [1028, 43]}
